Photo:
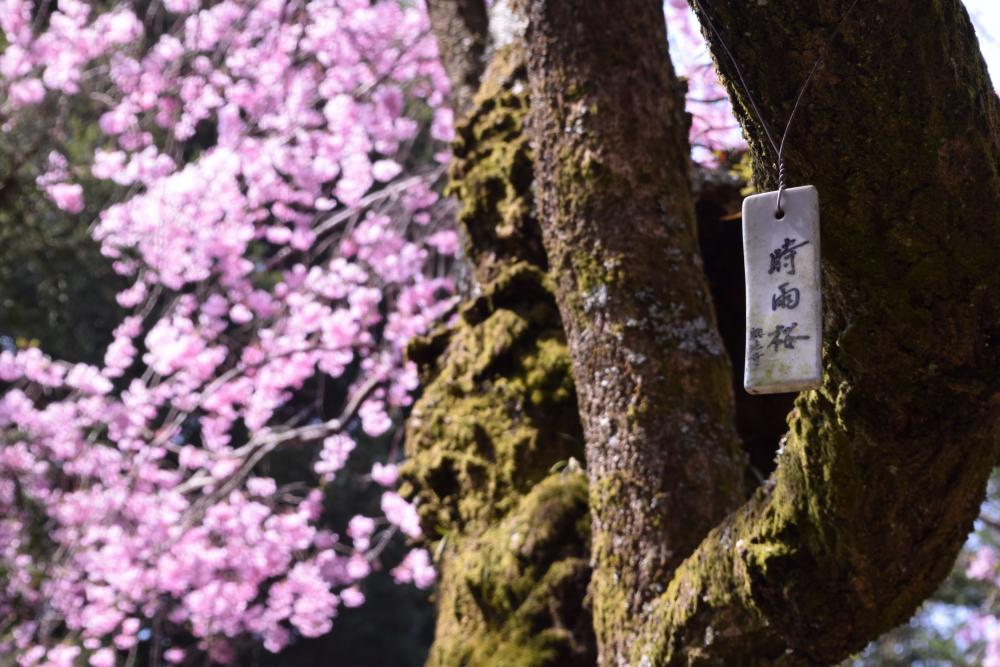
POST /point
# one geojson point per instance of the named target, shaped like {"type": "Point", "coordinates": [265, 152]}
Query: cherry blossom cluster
{"type": "Point", "coordinates": [981, 626]}
{"type": "Point", "coordinates": [272, 240]}
{"type": "Point", "coordinates": [978, 628]}
{"type": "Point", "coordinates": [713, 126]}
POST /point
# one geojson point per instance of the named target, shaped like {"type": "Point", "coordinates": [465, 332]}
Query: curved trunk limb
{"type": "Point", "coordinates": [884, 467]}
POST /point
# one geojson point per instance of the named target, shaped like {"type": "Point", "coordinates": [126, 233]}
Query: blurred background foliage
{"type": "Point", "coordinates": [56, 290]}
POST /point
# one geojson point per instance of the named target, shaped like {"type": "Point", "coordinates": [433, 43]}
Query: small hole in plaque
{"type": "Point", "coordinates": [779, 214]}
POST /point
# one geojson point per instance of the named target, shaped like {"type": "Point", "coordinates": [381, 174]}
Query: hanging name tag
{"type": "Point", "coordinates": [784, 304]}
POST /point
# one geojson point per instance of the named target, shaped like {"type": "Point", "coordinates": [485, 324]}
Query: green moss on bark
{"type": "Point", "coordinates": [497, 415]}
{"type": "Point", "coordinates": [511, 596]}
{"type": "Point", "coordinates": [498, 411]}
{"type": "Point", "coordinates": [492, 172]}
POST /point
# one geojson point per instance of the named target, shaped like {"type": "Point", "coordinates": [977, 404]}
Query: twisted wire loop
{"type": "Point", "coordinates": [778, 212]}
{"type": "Point", "coordinates": [779, 149]}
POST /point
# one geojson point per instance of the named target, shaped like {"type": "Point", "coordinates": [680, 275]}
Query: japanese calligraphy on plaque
{"type": "Point", "coordinates": [784, 303]}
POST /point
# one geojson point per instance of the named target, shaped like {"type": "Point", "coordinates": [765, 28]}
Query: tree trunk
{"type": "Point", "coordinates": [461, 28]}
{"type": "Point", "coordinates": [494, 443]}
{"type": "Point", "coordinates": [883, 468]}
{"type": "Point", "coordinates": [615, 206]}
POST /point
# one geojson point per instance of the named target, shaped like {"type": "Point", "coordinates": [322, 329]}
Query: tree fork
{"type": "Point", "coordinates": [884, 467]}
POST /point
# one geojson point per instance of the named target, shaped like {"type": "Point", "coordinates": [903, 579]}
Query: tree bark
{"type": "Point", "coordinates": [616, 212]}
{"type": "Point", "coordinates": [494, 442]}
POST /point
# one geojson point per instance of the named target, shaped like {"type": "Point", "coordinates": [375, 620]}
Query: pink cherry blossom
{"type": "Point", "coordinates": [416, 568]}
{"type": "Point", "coordinates": [334, 455]}
{"type": "Point", "coordinates": [983, 564]}
{"type": "Point", "coordinates": [26, 92]}
{"type": "Point", "coordinates": [352, 597]}
{"type": "Point", "coordinates": [67, 196]}
{"type": "Point", "coordinates": [174, 656]}
{"type": "Point", "coordinates": [401, 513]}
{"type": "Point", "coordinates": [445, 242]}
{"type": "Point", "coordinates": [386, 475]}
{"type": "Point", "coordinates": [104, 657]}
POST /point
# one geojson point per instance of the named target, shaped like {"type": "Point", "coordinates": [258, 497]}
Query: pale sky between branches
{"type": "Point", "coordinates": [986, 17]}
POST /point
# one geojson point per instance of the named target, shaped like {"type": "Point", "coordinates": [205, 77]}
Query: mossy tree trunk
{"type": "Point", "coordinates": [494, 444]}
{"type": "Point", "coordinates": [882, 470]}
